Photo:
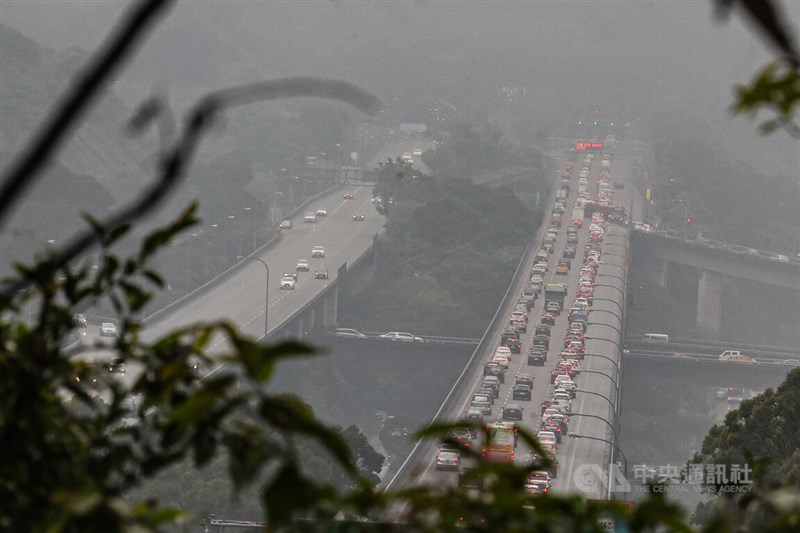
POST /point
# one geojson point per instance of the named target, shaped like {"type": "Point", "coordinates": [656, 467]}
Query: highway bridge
{"type": "Point", "coordinates": [243, 294]}
{"type": "Point", "coordinates": [715, 261]}
{"type": "Point", "coordinates": [595, 407]}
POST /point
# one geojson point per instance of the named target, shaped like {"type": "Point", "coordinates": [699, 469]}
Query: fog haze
{"type": "Point", "coordinates": [571, 55]}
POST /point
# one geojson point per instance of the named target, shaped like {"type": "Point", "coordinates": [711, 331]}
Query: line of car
{"type": "Point", "coordinates": [554, 416]}
{"type": "Point", "coordinates": [289, 281]}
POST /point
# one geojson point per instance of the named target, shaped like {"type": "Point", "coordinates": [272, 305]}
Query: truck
{"type": "Point", "coordinates": [555, 292]}
{"type": "Point", "coordinates": [577, 217]}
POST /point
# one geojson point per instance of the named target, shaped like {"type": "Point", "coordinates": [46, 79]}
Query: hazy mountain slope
{"type": "Point", "coordinates": [31, 80]}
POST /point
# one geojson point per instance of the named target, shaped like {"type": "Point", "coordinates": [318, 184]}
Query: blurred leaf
{"type": "Point", "coordinates": [289, 414]}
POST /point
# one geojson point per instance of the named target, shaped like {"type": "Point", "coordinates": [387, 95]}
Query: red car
{"type": "Point", "coordinates": [348, 196]}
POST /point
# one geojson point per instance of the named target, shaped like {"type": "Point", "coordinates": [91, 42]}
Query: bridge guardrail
{"type": "Point", "coordinates": [711, 347]}
{"type": "Point", "coordinates": [461, 382]}
{"type": "Point", "coordinates": [711, 244]}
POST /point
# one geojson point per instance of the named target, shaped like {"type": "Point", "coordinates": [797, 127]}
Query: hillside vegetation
{"type": "Point", "coordinates": [451, 244]}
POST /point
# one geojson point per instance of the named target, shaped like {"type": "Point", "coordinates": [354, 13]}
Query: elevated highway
{"type": "Point", "coordinates": [598, 403]}
{"type": "Point", "coordinates": [249, 290]}
{"type": "Point", "coordinates": [715, 261]}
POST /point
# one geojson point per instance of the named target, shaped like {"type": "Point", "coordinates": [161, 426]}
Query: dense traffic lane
{"type": "Point", "coordinates": [585, 461]}
{"type": "Point", "coordinates": [571, 453]}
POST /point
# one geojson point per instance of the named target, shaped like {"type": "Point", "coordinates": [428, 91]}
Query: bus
{"type": "Point", "coordinates": [502, 443]}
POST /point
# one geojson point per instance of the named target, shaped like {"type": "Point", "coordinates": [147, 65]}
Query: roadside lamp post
{"type": "Point", "coordinates": [606, 300]}
{"type": "Point", "coordinates": [615, 328]}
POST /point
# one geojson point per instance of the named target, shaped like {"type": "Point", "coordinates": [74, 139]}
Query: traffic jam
{"type": "Point", "coordinates": [530, 379]}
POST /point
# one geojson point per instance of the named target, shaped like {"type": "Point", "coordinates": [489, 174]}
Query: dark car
{"type": "Point", "coordinates": [79, 320]}
{"type": "Point", "coordinates": [494, 369]}
{"type": "Point", "coordinates": [358, 218]}
{"type": "Point", "coordinates": [527, 379]}
{"type": "Point", "coordinates": [521, 392]}
{"type": "Point", "coordinates": [116, 366]}
{"type": "Point", "coordinates": [321, 274]}
{"type": "Point", "coordinates": [511, 340]}
{"type": "Point", "coordinates": [515, 345]}
{"type": "Point", "coordinates": [549, 319]}
{"type": "Point", "coordinates": [474, 415]}
{"type": "Point", "coordinates": [542, 329]}
{"type": "Point", "coordinates": [536, 359]}
{"type": "Point", "coordinates": [569, 252]}
{"type": "Point", "coordinates": [512, 411]}
{"type": "Point", "coordinates": [542, 340]}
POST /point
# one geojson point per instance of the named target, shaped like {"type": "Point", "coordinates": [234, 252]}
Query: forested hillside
{"type": "Point", "coordinates": [451, 243]}
{"type": "Point", "coordinates": [96, 170]}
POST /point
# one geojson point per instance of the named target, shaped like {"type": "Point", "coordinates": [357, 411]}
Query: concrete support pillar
{"type": "Point", "coordinates": [310, 319]}
{"type": "Point", "coordinates": [329, 308]}
{"type": "Point", "coordinates": [709, 290]}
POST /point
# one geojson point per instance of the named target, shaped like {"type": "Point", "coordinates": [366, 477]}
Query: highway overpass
{"type": "Point", "coordinates": [655, 251]}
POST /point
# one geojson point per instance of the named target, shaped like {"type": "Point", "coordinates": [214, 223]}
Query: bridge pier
{"type": "Point", "coordinates": [330, 306]}
{"type": "Point", "coordinates": [709, 312]}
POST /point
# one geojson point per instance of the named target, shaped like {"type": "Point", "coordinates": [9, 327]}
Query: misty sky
{"type": "Point", "coordinates": [575, 54]}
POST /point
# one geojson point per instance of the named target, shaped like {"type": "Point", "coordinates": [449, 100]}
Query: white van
{"type": "Point", "coordinates": [656, 338]}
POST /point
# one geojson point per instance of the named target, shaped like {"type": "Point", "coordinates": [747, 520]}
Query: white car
{"type": "Point", "coordinates": [347, 332]}
{"type": "Point", "coordinates": [582, 303]}
{"type": "Point", "coordinates": [503, 350]}
{"type": "Point", "coordinates": [402, 336]}
{"type": "Point", "coordinates": [310, 218]}
{"type": "Point", "coordinates": [302, 265]}
{"type": "Point", "coordinates": [287, 283]}
{"type": "Point", "coordinates": [417, 151]}
{"type": "Point", "coordinates": [546, 437]}
{"type": "Point", "coordinates": [322, 212]}
{"type": "Point", "coordinates": [318, 251]}
{"type": "Point", "coordinates": [108, 329]}
{"type": "Point", "coordinates": [502, 360]}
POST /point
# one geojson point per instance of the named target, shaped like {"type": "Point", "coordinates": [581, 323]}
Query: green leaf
{"type": "Point", "coordinates": [116, 234]}
{"type": "Point", "coordinates": [204, 445]}
{"type": "Point", "coordinates": [288, 495]}
{"type": "Point", "coordinates": [290, 414]}
{"type": "Point", "coordinates": [154, 277]}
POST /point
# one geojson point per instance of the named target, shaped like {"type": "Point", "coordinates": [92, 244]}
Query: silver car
{"type": "Point", "coordinates": [402, 336]}
{"type": "Point", "coordinates": [108, 329]}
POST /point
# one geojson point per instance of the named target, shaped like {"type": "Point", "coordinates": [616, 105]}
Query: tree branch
{"type": "Point", "coordinates": [174, 163]}
{"type": "Point", "coordinates": [77, 102]}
